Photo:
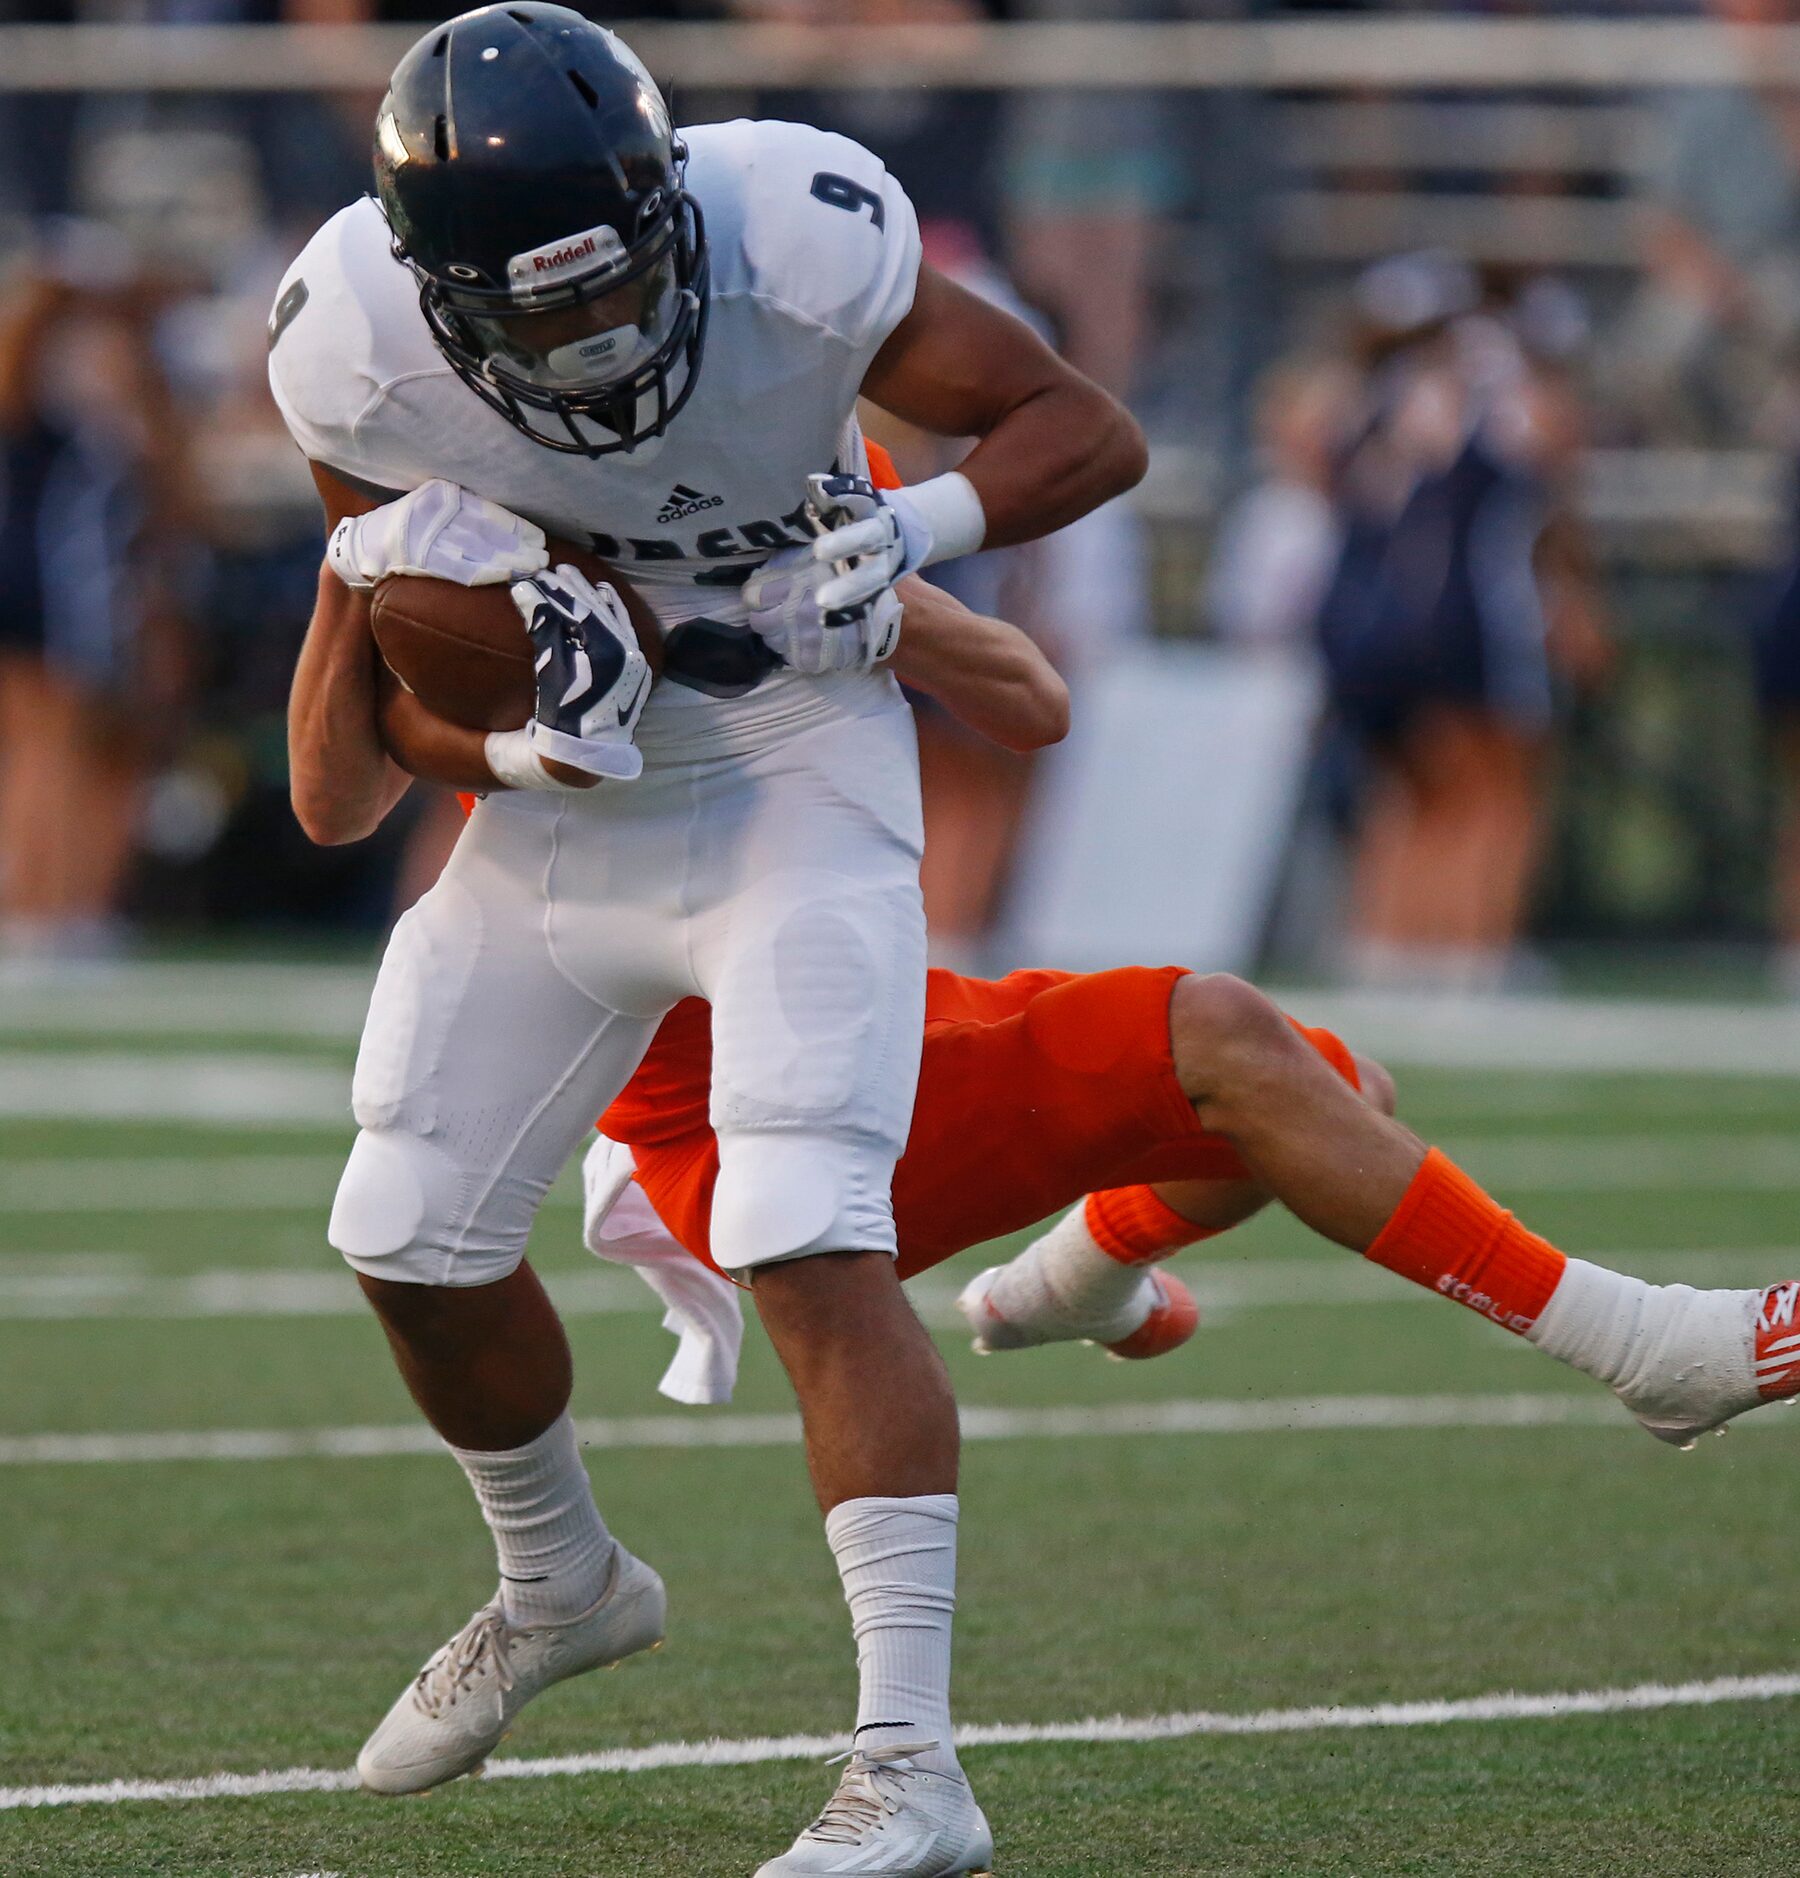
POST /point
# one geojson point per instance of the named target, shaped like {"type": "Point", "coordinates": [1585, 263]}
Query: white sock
{"type": "Point", "coordinates": [555, 1552]}
{"type": "Point", "coordinates": [1066, 1281]}
{"type": "Point", "coordinates": [897, 1559]}
{"type": "Point", "coordinates": [1676, 1356]}
{"type": "Point", "coordinates": [1596, 1321]}
{"type": "Point", "coordinates": [1641, 1339]}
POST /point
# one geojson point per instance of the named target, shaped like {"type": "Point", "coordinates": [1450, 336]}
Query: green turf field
{"type": "Point", "coordinates": [163, 1274]}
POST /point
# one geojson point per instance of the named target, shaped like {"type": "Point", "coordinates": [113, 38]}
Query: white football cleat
{"type": "Point", "coordinates": [460, 1705]}
{"type": "Point", "coordinates": [891, 1819]}
{"type": "Point", "coordinates": [1165, 1315]}
{"type": "Point", "coordinates": [1714, 1355]}
{"type": "Point", "coordinates": [991, 1329]}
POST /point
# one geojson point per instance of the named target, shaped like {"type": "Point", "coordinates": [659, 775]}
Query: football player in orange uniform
{"type": "Point", "coordinates": [1036, 1091]}
{"type": "Point", "coordinates": [1169, 1105]}
{"type": "Point", "coordinates": [1163, 1105]}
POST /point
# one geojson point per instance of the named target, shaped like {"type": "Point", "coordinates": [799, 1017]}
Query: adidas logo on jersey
{"type": "Point", "coordinates": [684, 502]}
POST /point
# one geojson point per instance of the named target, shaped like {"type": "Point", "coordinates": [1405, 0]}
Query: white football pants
{"type": "Point", "coordinates": [517, 998]}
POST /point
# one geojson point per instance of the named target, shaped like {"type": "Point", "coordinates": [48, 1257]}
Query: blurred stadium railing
{"type": "Point", "coordinates": [1399, 51]}
{"type": "Point", "coordinates": [1521, 145]}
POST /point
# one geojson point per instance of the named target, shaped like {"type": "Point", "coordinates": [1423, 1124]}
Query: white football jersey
{"type": "Point", "coordinates": [814, 254]}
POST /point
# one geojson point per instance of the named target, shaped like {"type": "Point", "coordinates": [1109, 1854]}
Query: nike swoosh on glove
{"type": "Point", "coordinates": [592, 676]}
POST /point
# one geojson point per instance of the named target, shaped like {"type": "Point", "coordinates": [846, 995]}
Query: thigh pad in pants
{"type": "Point", "coordinates": [818, 1018]}
{"type": "Point", "coordinates": [481, 1068]}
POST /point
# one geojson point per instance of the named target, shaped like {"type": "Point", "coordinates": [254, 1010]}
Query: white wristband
{"type": "Point", "coordinates": [950, 508]}
{"type": "Point", "coordinates": [340, 554]}
{"type": "Point", "coordinates": [516, 764]}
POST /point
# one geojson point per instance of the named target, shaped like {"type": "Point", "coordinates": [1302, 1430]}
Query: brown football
{"type": "Point", "coordinates": [463, 651]}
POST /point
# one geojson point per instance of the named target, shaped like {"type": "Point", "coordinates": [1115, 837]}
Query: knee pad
{"type": "Point", "coordinates": [397, 1216]}
{"type": "Point", "coordinates": [789, 1195]}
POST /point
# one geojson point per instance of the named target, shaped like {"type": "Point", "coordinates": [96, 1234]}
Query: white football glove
{"type": "Point", "coordinates": [829, 605]}
{"type": "Point", "coordinates": [592, 676]}
{"type": "Point", "coordinates": [440, 530]}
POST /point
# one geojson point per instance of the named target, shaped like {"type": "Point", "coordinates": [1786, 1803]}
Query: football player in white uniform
{"type": "Point", "coordinates": [562, 316]}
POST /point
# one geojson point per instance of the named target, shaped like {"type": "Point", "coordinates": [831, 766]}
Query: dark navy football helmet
{"type": "Point", "coordinates": [534, 186]}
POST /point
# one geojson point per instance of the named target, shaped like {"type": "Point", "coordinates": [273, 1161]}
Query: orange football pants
{"type": "Point", "coordinates": [1033, 1090]}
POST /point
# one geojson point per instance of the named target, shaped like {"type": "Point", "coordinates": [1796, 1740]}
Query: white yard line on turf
{"type": "Point", "coordinates": [1508, 1705]}
{"type": "Point", "coordinates": [211, 999]}
{"type": "Point", "coordinates": [75, 1287]}
{"type": "Point", "coordinates": [222, 1183]}
{"type": "Point", "coordinates": [1598, 1036]}
{"type": "Point", "coordinates": [1768, 1163]}
{"type": "Point", "coordinates": [1595, 1035]}
{"type": "Point", "coordinates": [218, 1089]}
{"type": "Point", "coordinates": [1282, 1415]}
{"type": "Point", "coordinates": [169, 1183]}
{"type": "Point", "coordinates": [66, 1294]}
{"type": "Point", "coordinates": [1665, 1163]}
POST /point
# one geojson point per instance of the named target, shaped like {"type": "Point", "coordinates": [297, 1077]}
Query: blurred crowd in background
{"type": "Point", "coordinates": [1482, 407]}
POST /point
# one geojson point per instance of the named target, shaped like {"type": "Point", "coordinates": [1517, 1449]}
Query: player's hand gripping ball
{"type": "Point", "coordinates": [829, 605]}
{"type": "Point", "coordinates": [464, 651]}
{"type": "Point", "coordinates": [592, 679]}
{"type": "Point", "coordinates": [440, 530]}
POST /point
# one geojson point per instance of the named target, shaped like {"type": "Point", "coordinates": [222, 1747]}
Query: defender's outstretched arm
{"type": "Point", "coordinates": [342, 782]}
{"type": "Point", "coordinates": [986, 673]}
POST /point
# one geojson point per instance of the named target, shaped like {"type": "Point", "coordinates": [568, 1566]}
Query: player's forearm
{"type": "Point", "coordinates": [340, 779]}
{"type": "Point", "coordinates": [428, 747]}
{"type": "Point", "coordinates": [1053, 445]}
{"type": "Point", "coordinates": [1052, 459]}
{"type": "Point", "coordinates": [435, 750]}
{"type": "Point", "coordinates": [984, 672]}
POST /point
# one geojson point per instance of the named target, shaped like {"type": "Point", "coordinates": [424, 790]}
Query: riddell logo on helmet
{"type": "Point", "coordinates": [552, 263]}
{"type": "Point", "coordinates": [593, 250]}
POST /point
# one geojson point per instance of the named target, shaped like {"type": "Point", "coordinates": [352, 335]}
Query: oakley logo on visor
{"type": "Point", "coordinates": [595, 250]}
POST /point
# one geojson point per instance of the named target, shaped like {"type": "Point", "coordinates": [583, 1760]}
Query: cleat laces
{"type": "Point", "coordinates": [1777, 1352]}
{"type": "Point", "coordinates": [872, 1788]}
{"type": "Point", "coordinates": [1777, 1311]}
{"type": "Point", "coordinates": [450, 1673]}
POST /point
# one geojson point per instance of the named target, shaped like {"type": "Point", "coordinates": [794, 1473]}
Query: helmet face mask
{"type": "Point", "coordinates": [594, 368]}
{"type": "Point", "coordinates": [534, 187]}
{"type": "Point", "coordinates": [591, 343]}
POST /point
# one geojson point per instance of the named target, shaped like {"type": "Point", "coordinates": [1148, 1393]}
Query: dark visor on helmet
{"type": "Point", "coordinates": [588, 364]}
{"type": "Point", "coordinates": [586, 344]}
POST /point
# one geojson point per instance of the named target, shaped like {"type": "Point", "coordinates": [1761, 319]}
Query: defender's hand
{"type": "Point", "coordinates": [592, 677]}
{"type": "Point", "coordinates": [440, 530]}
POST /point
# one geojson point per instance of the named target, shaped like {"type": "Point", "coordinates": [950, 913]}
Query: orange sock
{"type": "Point", "coordinates": [1449, 1236]}
{"type": "Point", "coordinates": [1134, 1226]}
